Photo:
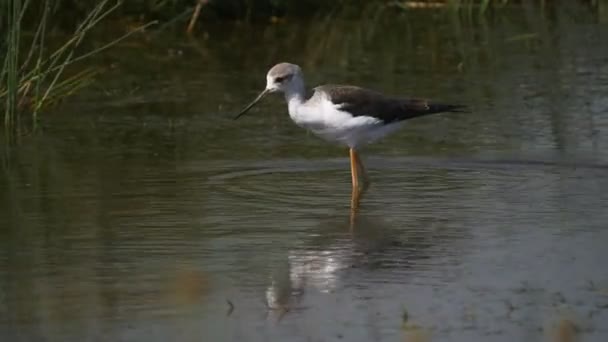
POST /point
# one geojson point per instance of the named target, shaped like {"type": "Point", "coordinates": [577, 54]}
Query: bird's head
{"type": "Point", "coordinates": [283, 77]}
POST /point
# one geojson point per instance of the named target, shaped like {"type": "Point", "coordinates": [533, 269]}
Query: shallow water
{"type": "Point", "coordinates": [142, 212]}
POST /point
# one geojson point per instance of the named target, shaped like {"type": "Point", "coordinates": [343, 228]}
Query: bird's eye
{"type": "Point", "coordinates": [282, 78]}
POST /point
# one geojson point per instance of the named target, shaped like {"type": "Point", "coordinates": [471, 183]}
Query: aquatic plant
{"type": "Point", "coordinates": [34, 76]}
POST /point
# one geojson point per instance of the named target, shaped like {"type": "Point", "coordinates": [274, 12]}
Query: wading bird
{"type": "Point", "coordinates": [345, 114]}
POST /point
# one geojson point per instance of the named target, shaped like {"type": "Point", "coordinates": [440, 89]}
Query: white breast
{"type": "Point", "coordinates": [325, 119]}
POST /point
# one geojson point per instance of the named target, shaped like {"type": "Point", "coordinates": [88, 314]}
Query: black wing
{"type": "Point", "coordinates": [364, 102]}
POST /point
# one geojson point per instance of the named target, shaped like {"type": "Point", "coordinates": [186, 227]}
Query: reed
{"type": "Point", "coordinates": [33, 76]}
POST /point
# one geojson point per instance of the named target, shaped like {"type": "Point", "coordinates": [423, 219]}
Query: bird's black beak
{"type": "Point", "coordinates": [249, 106]}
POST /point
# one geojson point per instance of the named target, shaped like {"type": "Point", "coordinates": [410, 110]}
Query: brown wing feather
{"type": "Point", "coordinates": [365, 102]}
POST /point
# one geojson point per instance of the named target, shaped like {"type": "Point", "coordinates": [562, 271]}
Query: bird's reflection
{"type": "Point", "coordinates": [337, 248]}
{"type": "Point", "coordinates": [317, 264]}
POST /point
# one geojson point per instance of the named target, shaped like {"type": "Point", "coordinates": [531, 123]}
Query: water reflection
{"type": "Point", "coordinates": [342, 248]}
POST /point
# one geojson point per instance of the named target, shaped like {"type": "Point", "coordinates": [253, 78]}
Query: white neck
{"type": "Point", "coordinates": [295, 94]}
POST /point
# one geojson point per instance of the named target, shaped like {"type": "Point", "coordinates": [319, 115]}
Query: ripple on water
{"type": "Point", "coordinates": [297, 186]}
{"type": "Point", "coordinates": [313, 186]}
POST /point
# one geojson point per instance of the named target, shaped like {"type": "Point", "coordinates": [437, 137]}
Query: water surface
{"type": "Point", "coordinates": [142, 212]}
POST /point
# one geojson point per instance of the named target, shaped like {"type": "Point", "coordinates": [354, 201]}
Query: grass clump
{"type": "Point", "coordinates": [34, 75]}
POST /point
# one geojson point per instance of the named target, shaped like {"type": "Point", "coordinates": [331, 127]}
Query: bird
{"type": "Point", "coordinates": [345, 114]}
